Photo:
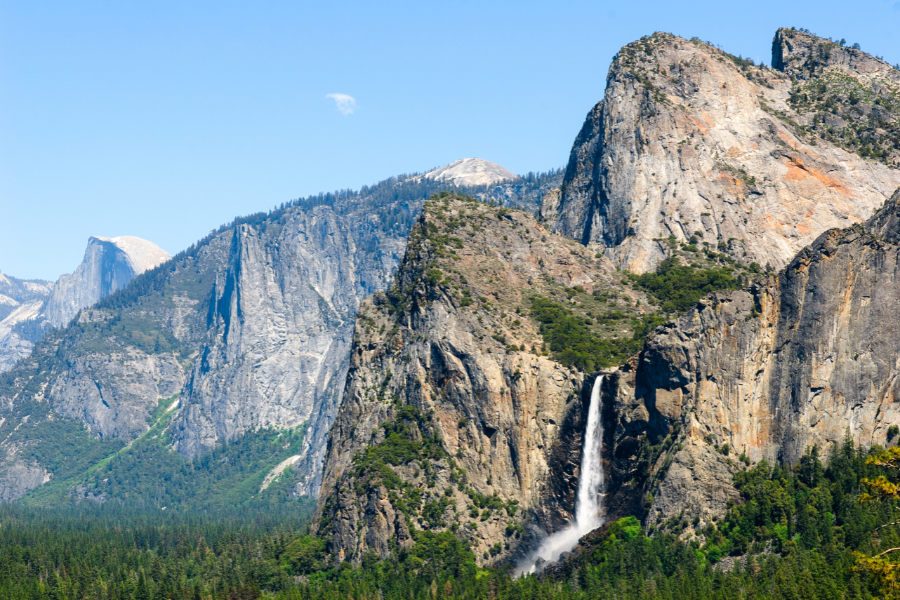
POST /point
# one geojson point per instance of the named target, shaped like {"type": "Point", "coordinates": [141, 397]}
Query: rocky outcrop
{"type": "Point", "coordinates": [691, 141]}
{"type": "Point", "coordinates": [20, 302]}
{"type": "Point", "coordinates": [454, 415]}
{"type": "Point", "coordinates": [803, 358]}
{"type": "Point", "coordinates": [109, 264]}
{"type": "Point", "coordinates": [16, 292]}
{"type": "Point", "coordinates": [19, 478]}
{"type": "Point", "coordinates": [842, 95]}
{"type": "Point", "coordinates": [18, 332]}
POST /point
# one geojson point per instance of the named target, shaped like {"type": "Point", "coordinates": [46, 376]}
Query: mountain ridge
{"type": "Point", "coordinates": [185, 329]}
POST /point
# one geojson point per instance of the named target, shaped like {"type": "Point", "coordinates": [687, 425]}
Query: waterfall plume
{"type": "Point", "coordinates": [588, 503]}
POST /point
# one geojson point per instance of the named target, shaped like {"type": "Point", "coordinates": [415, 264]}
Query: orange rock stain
{"type": "Point", "coordinates": [797, 171]}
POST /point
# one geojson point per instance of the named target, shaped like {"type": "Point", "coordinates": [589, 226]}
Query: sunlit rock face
{"type": "Point", "coordinates": [800, 359]}
{"type": "Point", "coordinates": [691, 141]}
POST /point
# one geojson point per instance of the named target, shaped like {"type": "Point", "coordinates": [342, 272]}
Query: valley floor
{"type": "Point", "coordinates": [796, 536]}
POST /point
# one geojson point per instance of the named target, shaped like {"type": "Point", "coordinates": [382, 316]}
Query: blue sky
{"type": "Point", "coordinates": [166, 119]}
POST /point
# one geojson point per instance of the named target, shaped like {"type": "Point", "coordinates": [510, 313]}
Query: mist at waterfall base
{"type": "Point", "coordinates": [589, 502]}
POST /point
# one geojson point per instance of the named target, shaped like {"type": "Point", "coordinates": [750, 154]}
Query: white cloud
{"type": "Point", "coordinates": [345, 103]}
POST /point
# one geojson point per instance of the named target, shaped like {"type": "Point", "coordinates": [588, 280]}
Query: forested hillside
{"type": "Point", "coordinates": [793, 536]}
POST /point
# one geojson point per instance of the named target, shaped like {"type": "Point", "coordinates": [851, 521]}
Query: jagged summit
{"type": "Point", "coordinates": [470, 172]}
{"type": "Point", "coordinates": [805, 55]}
{"type": "Point", "coordinates": [141, 254]}
{"type": "Point", "coordinates": [692, 143]}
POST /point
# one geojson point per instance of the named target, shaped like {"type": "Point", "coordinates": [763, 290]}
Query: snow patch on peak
{"type": "Point", "coordinates": [142, 255]}
{"type": "Point", "coordinates": [471, 171]}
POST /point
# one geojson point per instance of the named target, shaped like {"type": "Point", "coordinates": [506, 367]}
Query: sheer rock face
{"type": "Point", "coordinates": [427, 358]}
{"type": "Point", "coordinates": [280, 326]}
{"type": "Point", "coordinates": [114, 393]}
{"type": "Point", "coordinates": [252, 328]}
{"type": "Point", "coordinates": [799, 359]}
{"type": "Point", "coordinates": [109, 264]}
{"type": "Point", "coordinates": [690, 140]}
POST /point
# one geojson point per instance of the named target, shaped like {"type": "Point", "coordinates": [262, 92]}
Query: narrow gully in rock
{"type": "Point", "coordinates": [588, 503]}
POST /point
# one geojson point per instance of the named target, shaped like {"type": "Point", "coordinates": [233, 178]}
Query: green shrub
{"type": "Point", "coordinates": [678, 287]}
{"type": "Point", "coordinates": [573, 343]}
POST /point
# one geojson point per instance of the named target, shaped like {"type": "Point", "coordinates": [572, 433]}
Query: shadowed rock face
{"type": "Point", "coordinates": [450, 358]}
{"type": "Point", "coordinates": [690, 140]}
{"type": "Point", "coordinates": [800, 359]}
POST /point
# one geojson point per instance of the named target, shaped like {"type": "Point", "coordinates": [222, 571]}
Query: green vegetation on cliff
{"type": "Point", "coordinates": [679, 286]}
{"type": "Point", "coordinates": [573, 342]}
{"type": "Point", "coordinates": [149, 475]}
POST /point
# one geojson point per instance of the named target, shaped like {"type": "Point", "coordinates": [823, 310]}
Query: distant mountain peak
{"type": "Point", "coordinates": [471, 171]}
{"type": "Point", "coordinates": [28, 307]}
{"type": "Point", "coordinates": [142, 255]}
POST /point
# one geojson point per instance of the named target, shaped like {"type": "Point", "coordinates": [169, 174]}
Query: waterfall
{"type": "Point", "coordinates": [588, 503]}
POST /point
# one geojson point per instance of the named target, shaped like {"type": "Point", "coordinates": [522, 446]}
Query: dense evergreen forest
{"type": "Point", "coordinates": [795, 535]}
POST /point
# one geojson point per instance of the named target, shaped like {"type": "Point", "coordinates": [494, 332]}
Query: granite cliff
{"type": "Point", "coordinates": [459, 411]}
{"type": "Point", "coordinates": [803, 358]}
{"type": "Point", "coordinates": [757, 161]}
{"type": "Point", "coordinates": [280, 323]}
{"type": "Point", "coordinates": [240, 340]}
{"type": "Point", "coordinates": [109, 264]}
